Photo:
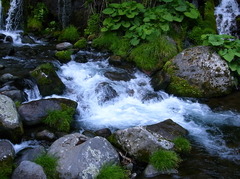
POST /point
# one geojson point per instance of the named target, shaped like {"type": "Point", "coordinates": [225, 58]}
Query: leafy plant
{"type": "Point", "coordinates": [139, 22]}
{"type": "Point", "coordinates": [40, 11]}
{"type": "Point", "coordinates": [34, 24]}
{"type": "Point", "coordinates": [93, 25]}
{"type": "Point", "coordinates": [60, 119]}
{"type": "Point", "coordinates": [112, 172]}
{"type": "Point", "coordinates": [69, 34]}
{"type": "Point", "coordinates": [227, 47]}
{"type": "Point", "coordinates": [81, 43]}
{"type": "Point", "coordinates": [49, 164]}
{"type": "Point", "coordinates": [182, 145]}
{"type": "Point", "coordinates": [164, 159]}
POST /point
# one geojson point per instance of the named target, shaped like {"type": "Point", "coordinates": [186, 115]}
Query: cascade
{"type": "Point", "coordinates": [226, 13]}
{"type": "Point", "coordinates": [14, 15]}
{"type": "Point", "coordinates": [64, 12]}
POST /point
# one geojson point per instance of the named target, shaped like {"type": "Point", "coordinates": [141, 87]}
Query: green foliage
{"type": "Point", "coordinates": [152, 55]}
{"type": "Point", "coordinates": [227, 47]}
{"type": "Point", "coordinates": [164, 160]}
{"type": "Point", "coordinates": [34, 24]}
{"type": "Point", "coordinates": [69, 34]}
{"type": "Point", "coordinates": [112, 172]}
{"type": "Point", "coordinates": [139, 22]}
{"type": "Point", "coordinates": [93, 25]}
{"type": "Point", "coordinates": [118, 45]}
{"type": "Point", "coordinates": [81, 43]}
{"type": "Point", "coordinates": [182, 145]}
{"type": "Point", "coordinates": [49, 164]}
{"type": "Point", "coordinates": [52, 27]}
{"type": "Point", "coordinates": [64, 55]}
{"type": "Point", "coordinates": [40, 12]}
{"type": "Point", "coordinates": [47, 69]}
{"type": "Point", "coordinates": [5, 170]}
{"type": "Point", "coordinates": [60, 119]}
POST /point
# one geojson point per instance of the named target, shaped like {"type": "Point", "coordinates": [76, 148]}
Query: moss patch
{"type": "Point", "coordinates": [64, 55]}
{"type": "Point", "coordinates": [82, 43]}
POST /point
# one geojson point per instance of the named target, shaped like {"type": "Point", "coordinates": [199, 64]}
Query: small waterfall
{"type": "Point", "coordinates": [14, 15]}
{"type": "Point", "coordinates": [226, 14]}
{"type": "Point", "coordinates": [64, 12]}
{"type": "Point", "coordinates": [1, 18]}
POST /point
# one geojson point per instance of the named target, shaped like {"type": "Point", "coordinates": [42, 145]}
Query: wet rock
{"type": "Point", "coordinates": [150, 172]}
{"type": "Point", "coordinates": [160, 81]}
{"type": "Point", "coordinates": [6, 49]}
{"type": "Point", "coordinates": [33, 112]}
{"type": "Point", "coordinates": [10, 123]}
{"type": "Point", "coordinates": [199, 72]}
{"type": "Point", "coordinates": [29, 154]}
{"type": "Point", "coordinates": [27, 39]}
{"type": "Point", "coordinates": [64, 46]}
{"type": "Point", "coordinates": [45, 135]}
{"type": "Point", "coordinates": [2, 67]}
{"type": "Point", "coordinates": [151, 96]}
{"type": "Point", "coordinates": [81, 58]}
{"type": "Point", "coordinates": [114, 76]}
{"type": "Point", "coordinates": [15, 95]}
{"type": "Point", "coordinates": [105, 92]}
{"type": "Point", "coordinates": [79, 159]}
{"type": "Point", "coordinates": [167, 129]}
{"type": "Point", "coordinates": [7, 155]}
{"type": "Point", "coordinates": [9, 39]}
{"type": "Point", "coordinates": [115, 60]}
{"type": "Point", "coordinates": [29, 170]}
{"type": "Point", "coordinates": [103, 132]}
{"type": "Point", "coordinates": [7, 77]}
{"type": "Point", "coordinates": [47, 80]}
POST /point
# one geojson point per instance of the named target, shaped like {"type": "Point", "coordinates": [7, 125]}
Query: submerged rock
{"type": "Point", "coordinates": [80, 159]}
{"type": "Point", "coordinates": [105, 92]}
{"type": "Point", "coordinates": [197, 72]}
{"type": "Point", "coordinates": [10, 123]}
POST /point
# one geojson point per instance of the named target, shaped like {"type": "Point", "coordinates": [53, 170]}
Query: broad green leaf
{"type": "Point", "coordinates": [222, 52]}
{"type": "Point", "coordinates": [215, 40]}
{"type": "Point", "coordinates": [168, 17]}
{"type": "Point", "coordinates": [116, 19]}
{"type": "Point", "coordinates": [146, 19]}
{"type": "Point", "coordinates": [134, 41]}
{"type": "Point", "coordinates": [108, 22]}
{"type": "Point", "coordinates": [115, 5]}
{"type": "Point", "coordinates": [237, 54]}
{"type": "Point", "coordinates": [132, 15]}
{"type": "Point", "coordinates": [104, 29]}
{"type": "Point", "coordinates": [193, 14]}
{"type": "Point", "coordinates": [121, 12]}
{"type": "Point", "coordinates": [126, 24]}
{"type": "Point", "coordinates": [140, 6]}
{"type": "Point", "coordinates": [181, 8]}
{"type": "Point", "coordinates": [165, 27]}
{"type": "Point", "coordinates": [233, 66]}
{"type": "Point", "coordinates": [108, 11]}
{"type": "Point", "coordinates": [133, 27]}
{"type": "Point", "coordinates": [178, 18]}
{"type": "Point", "coordinates": [229, 56]}
{"type": "Point", "coordinates": [116, 26]}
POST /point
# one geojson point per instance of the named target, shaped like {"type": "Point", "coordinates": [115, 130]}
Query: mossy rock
{"type": "Point", "coordinates": [80, 44]}
{"type": "Point", "coordinates": [47, 80]}
{"type": "Point", "coordinates": [64, 56]}
{"type": "Point", "coordinates": [199, 72]}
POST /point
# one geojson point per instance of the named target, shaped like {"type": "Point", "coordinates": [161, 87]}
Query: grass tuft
{"type": "Point", "coordinates": [69, 34]}
{"type": "Point", "coordinates": [112, 172]}
{"type": "Point", "coordinates": [182, 145]}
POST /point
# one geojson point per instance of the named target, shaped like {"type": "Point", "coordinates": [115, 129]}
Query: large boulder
{"type": "Point", "coordinates": [7, 155]}
{"type": "Point", "coordinates": [33, 112]}
{"type": "Point", "coordinates": [29, 170]}
{"type": "Point", "coordinates": [47, 80]}
{"type": "Point", "coordinates": [80, 159]}
{"type": "Point", "coordinates": [196, 72]}
{"type": "Point", "coordinates": [141, 141]}
{"type": "Point", "coordinates": [10, 123]}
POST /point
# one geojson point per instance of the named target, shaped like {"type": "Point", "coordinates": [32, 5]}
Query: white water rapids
{"type": "Point", "coordinates": [129, 109]}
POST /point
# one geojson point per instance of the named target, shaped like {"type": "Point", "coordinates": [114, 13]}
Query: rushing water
{"type": "Point", "coordinates": [130, 107]}
{"type": "Point", "coordinates": [1, 15]}
{"type": "Point", "coordinates": [226, 14]}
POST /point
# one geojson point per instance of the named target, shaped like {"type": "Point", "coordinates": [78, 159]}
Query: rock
{"type": "Point", "coordinates": [79, 159]}
{"type": "Point", "coordinates": [7, 77]}
{"type": "Point", "coordinates": [15, 95]}
{"type": "Point", "coordinates": [45, 135]}
{"type": "Point", "coordinates": [115, 60]}
{"type": "Point", "coordinates": [199, 72]}
{"type": "Point", "coordinates": [33, 112]}
{"type": "Point", "coordinates": [103, 132]}
{"type": "Point", "coordinates": [2, 67]}
{"type": "Point", "coordinates": [7, 155]}
{"type": "Point", "coordinates": [114, 76]}
{"type": "Point", "coordinates": [160, 81]}
{"type": "Point", "coordinates": [150, 172]}
{"type": "Point", "coordinates": [64, 46]}
{"type": "Point", "coordinates": [47, 80]}
{"type": "Point", "coordinates": [29, 154]}
{"type": "Point", "coordinates": [9, 39]}
{"type": "Point", "coordinates": [141, 141]}
{"type": "Point", "coordinates": [105, 92]}
{"type": "Point", "coordinates": [10, 124]}
{"type": "Point", "coordinates": [29, 170]}
{"type": "Point", "coordinates": [27, 39]}
{"type": "Point", "coordinates": [167, 129]}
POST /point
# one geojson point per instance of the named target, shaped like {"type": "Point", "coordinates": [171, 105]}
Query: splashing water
{"type": "Point", "coordinates": [226, 14]}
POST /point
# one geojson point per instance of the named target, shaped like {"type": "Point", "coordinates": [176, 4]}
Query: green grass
{"type": "Point", "coordinates": [34, 24]}
{"type": "Point", "coordinates": [49, 164]}
{"type": "Point", "coordinates": [182, 145]}
{"type": "Point", "coordinates": [112, 172]}
{"type": "Point", "coordinates": [164, 160]}
{"type": "Point", "coordinates": [69, 34]}
{"type": "Point", "coordinates": [154, 54]}
{"type": "Point", "coordinates": [60, 119]}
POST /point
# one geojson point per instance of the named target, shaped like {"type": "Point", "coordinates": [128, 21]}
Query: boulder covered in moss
{"type": "Point", "coordinates": [10, 123]}
{"type": "Point", "coordinates": [34, 112]}
{"type": "Point", "coordinates": [142, 141]}
{"type": "Point", "coordinates": [47, 80]}
{"type": "Point", "coordinates": [197, 72]}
